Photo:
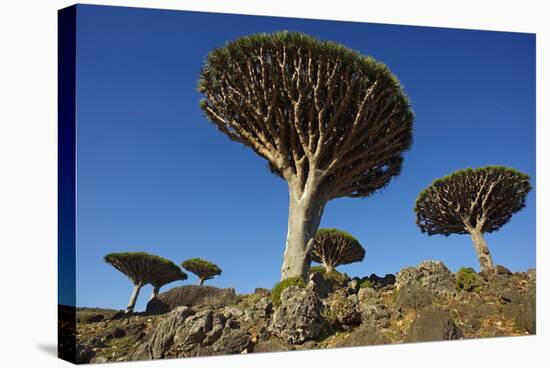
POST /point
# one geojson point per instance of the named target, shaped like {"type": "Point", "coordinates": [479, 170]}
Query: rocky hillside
{"type": "Point", "coordinates": [423, 303]}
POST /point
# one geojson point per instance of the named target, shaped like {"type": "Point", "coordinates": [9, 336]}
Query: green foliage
{"type": "Point", "coordinates": [141, 267]}
{"type": "Point", "coordinates": [337, 278]}
{"type": "Point", "coordinates": [205, 270]}
{"type": "Point", "coordinates": [366, 284]}
{"type": "Point", "coordinates": [336, 232]}
{"type": "Point", "coordinates": [466, 279]}
{"type": "Point", "coordinates": [314, 269]}
{"type": "Point", "coordinates": [282, 285]}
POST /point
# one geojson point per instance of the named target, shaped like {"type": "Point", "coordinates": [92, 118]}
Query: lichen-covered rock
{"type": "Point", "coordinates": [375, 314]}
{"type": "Point", "coordinates": [366, 295]}
{"type": "Point", "coordinates": [342, 310]}
{"type": "Point", "coordinates": [270, 346]}
{"type": "Point", "coordinates": [260, 309]}
{"type": "Point", "coordinates": [298, 318]}
{"type": "Point", "coordinates": [232, 342]}
{"type": "Point", "coordinates": [433, 275]}
{"type": "Point", "coordinates": [433, 324]}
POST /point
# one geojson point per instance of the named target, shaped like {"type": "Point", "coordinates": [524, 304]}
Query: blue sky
{"type": "Point", "coordinates": [155, 176]}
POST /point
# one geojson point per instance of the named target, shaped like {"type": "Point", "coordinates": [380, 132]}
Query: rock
{"type": "Point", "coordinates": [531, 274]}
{"type": "Point", "coordinates": [261, 309]}
{"type": "Point", "coordinates": [83, 354]}
{"type": "Point", "coordinates": [413, 296]}
{"type": "Point", "coordinates": [232, 311]}
{"type": "Point", "coordinates": [320, 285]}
{"type": "Point", "coordinates": [115, 333]}
{"type": "Point", "coordinates": [528, 319]}
{"type": "Point", "coordinates": [162, 337]}
{"type": "Point", "coordinates": [433, 275]}
{"type": "Point", "coordinates": [298, 318]}
{"type": "Point", "coordinates": [353, 286]}
{"type": "Point", "coordinates": [380, 282]}
{"type": "Point", "coordinates": [367, 335]}
{"type": "Point", "coordinates": [262, 291]}
{"type": "Point", "coordinates": [342, 309]}
{"type": "Point", "coordinates": [433, 324]}
{"type": "Point", "coordinates": [366, 295]}
{"type": "Point", "coordinates": [270, 346]}
{"type": "Point", "coordinates": [232, 342]}
{"type": "Point", "coordinates": [99, 360]}
{"type": "Point", "coordinates": [501, 270]}
{"type": "Point", "coordinates": [308, 345]}
{"type": "Point", "coordinates": [375, 314]}
{"type": "Point", "coordinates": [191, 296]}
{"type": "Point", "coordinates": [93, 318]}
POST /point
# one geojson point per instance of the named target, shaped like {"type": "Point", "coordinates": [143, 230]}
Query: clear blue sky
{"type": "Point", "coordinates": [155, 176]}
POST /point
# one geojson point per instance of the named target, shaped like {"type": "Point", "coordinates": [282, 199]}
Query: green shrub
{"type": "Point", "coordinates": [466, 279]}
{"type": "Point", "coordinates": [282, 285]}
{"type": "Point", "coordinates": [314, 269]}
{"type": "Point", "coordinates": [337, 278]}
{"type": "Point", "coordinates": [366, 284]}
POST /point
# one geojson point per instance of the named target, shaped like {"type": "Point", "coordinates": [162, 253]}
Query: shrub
{"type": "Point", "coordinates": [282, 285]}
{"type": "Point", "coordinates": [466, 279]}
{"type": "Point", "coordinates": [337, 278]}
{"type": "Point", "coordinates": [366, 284]}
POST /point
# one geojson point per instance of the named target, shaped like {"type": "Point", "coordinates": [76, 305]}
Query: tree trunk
{"type": "Point", "coordinates": [201, 282]}
{"type": "Point", "coordinates": [484, 256]}
{"type": "Point", "coordinates": [328, 268]}
{"type": "Point", "coordinates": [304, 216]}
{"type": "Point", "coordinates": [155, 292]}
{"type": "Point", "coordinates": [133, 298]}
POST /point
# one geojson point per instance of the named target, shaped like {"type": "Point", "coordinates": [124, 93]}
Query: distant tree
{"type": "Point", "coordinates": [203, 269]}
{"type": "Point", "coordinates": [333, 247]}
{"type": "Point", "coordinates": [170, 273]}
{"type": "Point", "coordinates": [472, 201]}
{"type": "Point", "coordinates": [330, 121]}
{"type": "Point", "coordinates": [141, 268]}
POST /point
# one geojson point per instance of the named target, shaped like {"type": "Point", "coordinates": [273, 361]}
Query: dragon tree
{"type": "Point", "coordinates": [141, 268]}
{"type": "Point", "coordinates": [333, 247]}
{"type": "Point", "coordinates": [169, 274]}
{"type": "Point", "coordinates": [472, 201]}
{"type": "Point", "coordinates": [203, 269]}
{"type": "Point", "coordinates": [328, 120]}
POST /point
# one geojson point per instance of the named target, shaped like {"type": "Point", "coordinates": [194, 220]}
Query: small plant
{"type": "Point", "coordinates": [314, 269]}
{"type": "Point", "coordinates": [466, 279]}
{"type": "Point", "coordinates": [341, 310]}
{"type": "Point", "coordinates": [337, 278]}
{"type": "Point", "coordinates": [333, 247]}
{"type": "Point", "coordinates": [366, 284]}
{"type": "Point", "coordinates": [203, 269]}
{"type": "Point", "coordinates": [282, 285]}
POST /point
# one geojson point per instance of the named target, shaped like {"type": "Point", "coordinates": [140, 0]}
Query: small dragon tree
{"type": "Point", "coordinates": [333, 247]}
{"type": "Point", "coordinates": [169, 274]}
{"type": "Point", "coordinates": [472, 201]}
{"type": "Point", "coordinates": [141, 268]}
{"type": "Point", "coordinates": [203, 269]}
{"type": "Point", "coordinates": [330, 121]}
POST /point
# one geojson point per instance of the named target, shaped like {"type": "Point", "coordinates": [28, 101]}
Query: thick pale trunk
{"type": "Point", "coordinates": [328, 268]}
{"type": "Point", "coordinates": [155, 292]}
{"type": "Point", "coordinates": [133, 298]}
{"type": "Point", "coordinates": [304, 216]}
{"type": "Point", "coordinates": [484, 256]}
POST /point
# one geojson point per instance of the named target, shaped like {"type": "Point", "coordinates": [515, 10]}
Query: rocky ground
{"type": "Point", "coordinates": [423, 303]}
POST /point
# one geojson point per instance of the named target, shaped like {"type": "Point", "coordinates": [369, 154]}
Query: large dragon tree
{"type": "Point", "coordinates": [472, 201]}
{"type": "Point", "coordinates": [330, 121]}
{"type": "Point", "coordinates": [142, 269]}
{"type": "Point", "coordinates": [170, 273]}
{"type": "Point", "coordinates": [335, 247]}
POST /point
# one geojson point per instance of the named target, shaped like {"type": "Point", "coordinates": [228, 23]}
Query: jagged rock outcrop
{"type": "Point", "coordinates": [432, 275]}
{"type": "Point", "coordinates": [298, 318]}
{"type": "Point", "coordinates": [191, 296]}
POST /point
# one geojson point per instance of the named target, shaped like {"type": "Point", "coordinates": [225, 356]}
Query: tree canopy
{"type": "Point", "coordinates": [484, 198]}
{"type": "Point", "coordinates": [204, 270]}
{"type": "Point", "coordinates": [335, 247]}
{"type": "Point", "coordinates": [308, 106]}
{"type": "Point", "coordinates": [141, 267]}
